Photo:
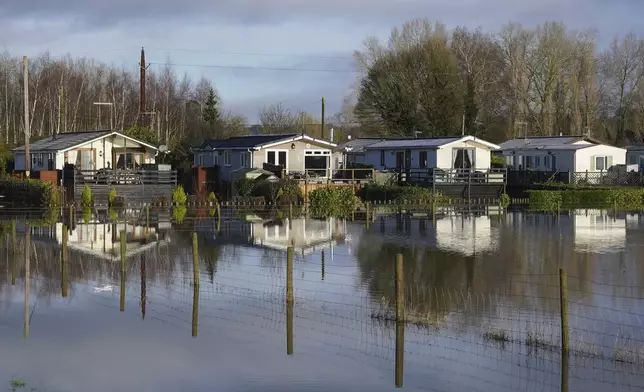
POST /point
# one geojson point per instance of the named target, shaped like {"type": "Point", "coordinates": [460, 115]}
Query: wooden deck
{"type": "Point", "coordinates": [131, 185]}
{"type": "Point", "coordinates": [457, 183]}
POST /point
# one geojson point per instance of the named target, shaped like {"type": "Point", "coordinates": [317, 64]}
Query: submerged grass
{"type": "Point", "coordinates": [497, 335]}
{"type": "Point", "coordinates": [537, 340]}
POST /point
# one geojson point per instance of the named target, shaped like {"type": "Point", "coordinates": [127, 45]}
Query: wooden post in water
{"type": "Point", "coordinates": [563, 296]}
{"type": "Point", "coordinates": [195, 310]}
{"type": "Point", "coordinates": [400, 289]}
{"type": "Point", "coordinates": [565, 365]}
{"type": "Point", "coordinates": [289, 300]}
{"type": "Point", "coordinates": [123, 256]}
{"type": "Point", "coordinates": [147, 216]}
{"type": "Point", "coordinates": [195, 284]}
{"type": "Point", "coordinates": [367, 218]}
{"type": "Point", "coordinates": [27, 277]}
{"type": "Point", "coordinates": [144, 291]}
{"type": "Point", "coordinates": [13, 252]}
{"type": "Point", "coordinates": [322, 264]}
{"type": "Point", "coordinates": [400, 321]}
{"type": "Point", "coordinates": [71, 216]}
{"type": "Point", "coordinates": [64, 262]}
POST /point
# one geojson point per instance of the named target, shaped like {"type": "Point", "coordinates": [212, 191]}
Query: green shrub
{"type": "Point", "coordinates": [112, 214]}
{"type": "Point", "coordinates": [400, 194]}
{"type": "Point", "coordinates": [497, 161]}
{"type": "Point", "coordinates": [179, 196]}
{"type": "Point", "coordinates": [245, 186]}
{"type": "Point", "coordinates": [333, 201]}
{"type": "Point", "coordinates": [504, 201]}
{"type": "Point", "coordinates": [212, 198]}
{"type": "Point", "coordinates": [112, 196]}
{"type": "Point", "coordinates": [179, 213]}
{"type": "Point", "coordinates": [620, 198]}
{"type": "Point", "coordinates": [86, 196]}
{"type": "Point", "coordinates": [87, 214]}
{"type": "Point", "coordinates": [285, 191]}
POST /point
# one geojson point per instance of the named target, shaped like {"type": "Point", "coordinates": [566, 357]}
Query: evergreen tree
{"type": "Point", "coordinates": [211, 112]}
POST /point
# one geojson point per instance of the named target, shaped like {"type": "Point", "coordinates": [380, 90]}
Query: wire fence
{"type": "Point", "coordinates": [488, 334]}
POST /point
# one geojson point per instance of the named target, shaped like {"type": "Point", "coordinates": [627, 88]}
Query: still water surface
{"type": "Point", "coordinates": [481, 300]}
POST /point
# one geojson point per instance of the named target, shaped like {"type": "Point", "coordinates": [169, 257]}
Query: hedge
{"type": "Point", "coordinates": [29, 191]}
{"type": "Point", "coordinates": [620, 198]}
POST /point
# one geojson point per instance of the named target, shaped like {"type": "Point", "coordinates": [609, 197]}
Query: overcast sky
{"type": "Point", "coordinates": [292, 42]}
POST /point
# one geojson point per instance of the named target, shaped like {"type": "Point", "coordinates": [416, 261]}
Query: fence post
{"type": "Point", "coordinates": [563, 296]}
{"type": "Point", "coordinates": [290, 215]}
{"type": "Point", "coordinates": [123, 255]}
{"type": "Point", "coordinates": [322, 264]}
{"type": "Point", "coordinates": [195, 286]}
{"type": "Point", "coordinates": [289, 300]}
{"type": "Point", "coordinates": [400, 289]}
{"type": "Point", "coordinates": [144, 290]}
{"type": "Point", "coordinates": [71, 216]}
{"type": "Point", "coordinates": [400, 321]}
{"type": "Point", "coordinates": [367, 218]}
{"type": "Point", "coordinates": [64, 260]}
{"type": "Point", "coordinates": [13, 252]}
{"type": "Point", "coordinates": [195, 258]}
{"type": "Point", "coordinates": [147, 216]}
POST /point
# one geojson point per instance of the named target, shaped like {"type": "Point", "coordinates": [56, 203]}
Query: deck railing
{"type": "Point", "coordinates": [332, 176]}
{"type": "Point", "coordinates": [453, 176]}
{"type": "Point", "coordinates": [125, 177]}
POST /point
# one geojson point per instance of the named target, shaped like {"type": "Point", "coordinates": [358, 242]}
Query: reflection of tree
{"type": "Point", "coordinates": [521, 274]}
{"type": "Point", "coordinates": [211, 256]}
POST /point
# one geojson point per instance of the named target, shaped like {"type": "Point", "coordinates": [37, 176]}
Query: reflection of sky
{"type": "Point", "coordinates": [84, 343]}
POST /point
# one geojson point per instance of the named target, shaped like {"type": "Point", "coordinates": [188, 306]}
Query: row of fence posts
{"type": "Point", "coordinates": [399, 301]}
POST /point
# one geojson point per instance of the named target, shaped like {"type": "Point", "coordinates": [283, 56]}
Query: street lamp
{"type": "Point", "coordinates": [111, 105]}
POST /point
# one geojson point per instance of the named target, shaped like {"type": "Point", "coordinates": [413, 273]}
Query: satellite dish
{"type": "Point", "coordinates": [163, 148]}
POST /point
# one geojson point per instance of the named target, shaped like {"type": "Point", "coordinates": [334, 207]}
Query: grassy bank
{"type": "Point", "coordinates": [604, 198]}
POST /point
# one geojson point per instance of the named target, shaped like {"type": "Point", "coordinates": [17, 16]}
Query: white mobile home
{"type": "Point", "coordinates": [87, 150]}
{"type": "Point", "coordinates": [583, 157]}
{"type": "Point", "coordinates": [635, 155]}
{"type": "Point", "coordinates": [465, 152]}
{"type": "Point", "coordinates": [294, 153]}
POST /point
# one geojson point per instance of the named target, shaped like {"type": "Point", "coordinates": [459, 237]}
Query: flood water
{"type": "Point", "coordinates": [481, 303]}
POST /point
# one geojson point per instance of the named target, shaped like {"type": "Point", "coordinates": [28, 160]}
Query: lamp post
{"type": "Point", "coordinates": [111, 105]}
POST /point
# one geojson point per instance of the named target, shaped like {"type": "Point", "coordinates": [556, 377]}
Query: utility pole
{"type": "Point", "coordinates": [322, 124]}
{"type": "Point", "coordinates": [463, 125]}
{"type": "Point", "coordinates": [142, 67]}
{"type": "Point", "coordinates": [25, 64]}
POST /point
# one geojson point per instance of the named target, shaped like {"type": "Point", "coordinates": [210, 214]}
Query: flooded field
{"type": "Point", "coordinates": [482, 308]}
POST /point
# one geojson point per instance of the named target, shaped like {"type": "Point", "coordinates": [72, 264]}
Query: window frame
{"type": "Point", "coordinates": [604, 159]}
{"type": "Point", "coordinates": [227, 158]}
{"type": "Point", "coordinates": [422, 159]}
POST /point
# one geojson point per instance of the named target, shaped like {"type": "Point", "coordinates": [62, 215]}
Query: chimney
{"type": "Point", "coordinates": [331, 135]}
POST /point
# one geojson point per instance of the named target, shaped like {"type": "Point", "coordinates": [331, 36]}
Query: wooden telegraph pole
{"type": "Point", "coordinates": [322, 123]}
{"type": "Point", "coordinates": [25, 64]}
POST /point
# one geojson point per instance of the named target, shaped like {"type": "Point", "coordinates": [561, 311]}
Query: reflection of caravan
{"type": "Point", "coordinates": [597, 232]}
{"type": "Point", "coordinates": [304, 235]}
{"type": "Point", "coordinates": [466, 235]}
{"type": "Point", "coordinates": [103, 239]}
{"type": "Point", "coordinates": [463, 234]}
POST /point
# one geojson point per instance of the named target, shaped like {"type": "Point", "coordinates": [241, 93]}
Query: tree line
{"type": "Point", "coordinates": [547, 80]}
{"type": "Point", "coordinates": [63, 93]}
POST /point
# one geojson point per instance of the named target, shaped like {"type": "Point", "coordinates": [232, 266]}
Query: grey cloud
{"type": "Point", "coordinates": [114, 12]}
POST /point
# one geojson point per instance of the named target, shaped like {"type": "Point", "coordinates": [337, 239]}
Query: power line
{"type": "Point", "coordinates": [258, 68]}
{"type": "Point", "coordinates": [256, 54]}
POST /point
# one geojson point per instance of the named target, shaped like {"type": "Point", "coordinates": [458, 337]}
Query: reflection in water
{"type": "Point", "coordinates": [465, 277]}
{"type": "Point", "coordinates": [27, 279]}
